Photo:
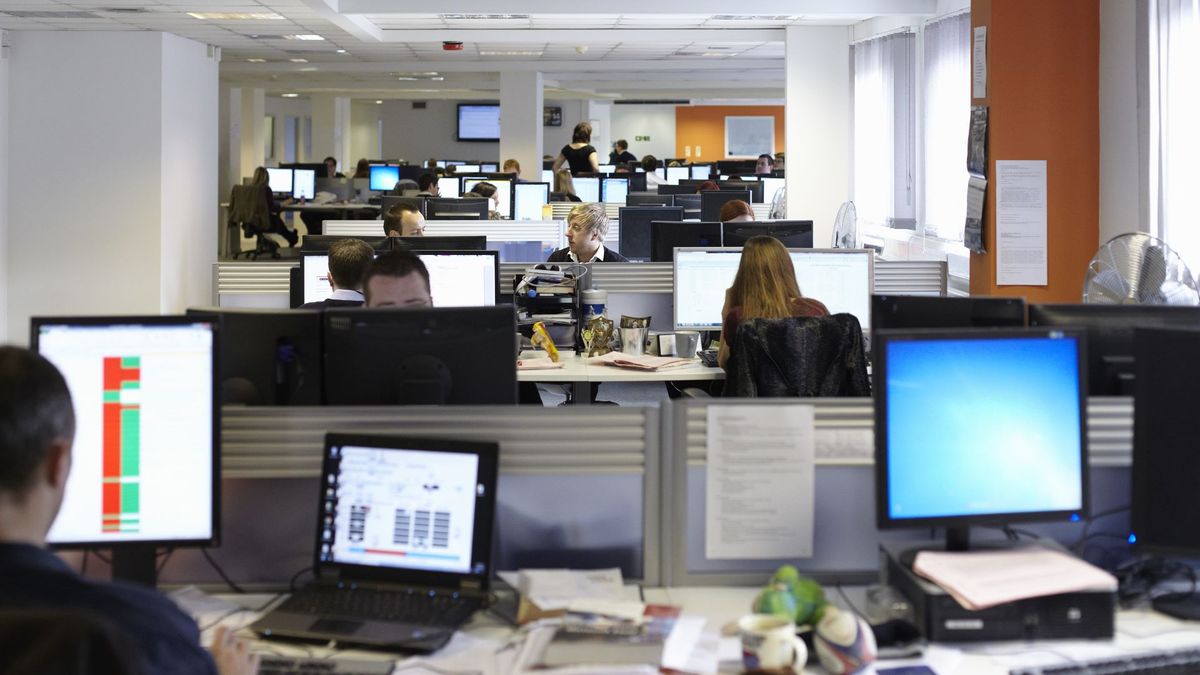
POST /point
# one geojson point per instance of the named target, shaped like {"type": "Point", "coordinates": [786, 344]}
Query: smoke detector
{"type": "Point", "coordinates": [452, 46]}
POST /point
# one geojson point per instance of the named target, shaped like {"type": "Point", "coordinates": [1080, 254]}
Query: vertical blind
{"type": "Point", "coordinates": [883, 128]}
{"type": "Point", "coordinates": [947, 112]}
{"type": "Point", "coordinates": [1175, 133]}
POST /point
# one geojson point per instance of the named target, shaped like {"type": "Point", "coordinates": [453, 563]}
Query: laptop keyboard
{"type": "Point", "coordinates": [283, 665]}
{"type": "Point", "coordinates": [427, 608]}
{"type": "Point", "coordinates": [1165, 662]}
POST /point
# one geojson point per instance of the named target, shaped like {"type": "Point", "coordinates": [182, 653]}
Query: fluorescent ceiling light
{"type": "Point", "coordinates": [341, 51]}
{"type": "Point", "coordinates": [256, 60]}
{"type": "Point", "coordinates": [379, 102]}
{"type": "Point", "coordinates": [290, 95]}
{"type": "Point", "coordinates": [306, 37]}
{"type": "Point", "coordinates": [511, 53]}
{"type": "Point", "coordinates": [491, 17]}
{"type": "Point", "coordinates": [298, 60]}
{"type": "Point", "coordinates": [235, 16]}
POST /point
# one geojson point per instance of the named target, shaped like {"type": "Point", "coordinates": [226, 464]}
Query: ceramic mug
{"type": "Point", "coordinates": [769, 642]}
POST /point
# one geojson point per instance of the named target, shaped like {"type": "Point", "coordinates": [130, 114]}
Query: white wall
{"type": "Point", "coordinates": [1121, 170]}
{"type": "Point", "coordinates": [655, 121]}
{"type": "Point", "coordinates": [417, 135]}
{"type": "Point", "coordinates": [279, 108]}
{"type": "Point", "coordinates": [4, 115]}
{"type": "Point", "coordinates": [554, 138]}
{"type": "Point", "coordinates": [189, 173]}
{"type": "Point", "coordinates": [364, 132]}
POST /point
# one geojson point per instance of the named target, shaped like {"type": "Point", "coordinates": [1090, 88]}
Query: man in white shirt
{"type": "Point", "coordinates": [649, 164]}
{"type": "Point", "coordinates": [348, 261]}
{"type": "Point", "coordinates": [404, 220]}
{"type": "Point", "coordinates": [587, 225]}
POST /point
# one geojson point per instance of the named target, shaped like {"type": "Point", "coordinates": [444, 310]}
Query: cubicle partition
{"type": "Point", "coordinates": [514, 239]}
{"type": "Point", "coordinates": [559, 210]}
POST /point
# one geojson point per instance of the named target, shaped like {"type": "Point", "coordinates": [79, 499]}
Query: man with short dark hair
{"type": "Point", "coordinates": [37, 429]}
{"type": "Point", "coordinates": [331, 169]}
{"type": "Point", "coordinates": [404, 220]}
{"type": "Point", "coordinates": [620, 153]}
{"type": "Point", "coordinates": [348, 261]}
{"type": "Point", "coordinates": [427, 185]}
{"type": "Point", "coordinates": [397, 279]}
{"type": "Point", "coordinates": [765, 164]}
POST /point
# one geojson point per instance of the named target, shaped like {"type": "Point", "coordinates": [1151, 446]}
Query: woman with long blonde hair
{"type": "Point", "coordinates": [765, 288]}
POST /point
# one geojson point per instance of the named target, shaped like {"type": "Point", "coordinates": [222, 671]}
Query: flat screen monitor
{"type": "Point", "coordinates": [614, 190]}
{"type": "Point", "coordinates": [840, 278]}
{"type": "Point", "coordinates": [489, 167]}
{"type": "Point", "coordinates": [755, 189]}
{"type": "Point", "coordinates": [280, 180]}
{"type": "Point", "coordinates": [268, 357]}
{"type": "Point", "coordinates": [528, 200]}
{"type": "Point", "coordinates": [388, 202]}
{"type": "Point", "coordinates": [145, 467]}
{"type": "Point", "coordinates": [691, 206]}
{"type": "Point", "coordinates": [548, 176]}
{"type": "Point", "coordinates": [304, 183]}
{"type": "Point", "coordinates": [448, 187]}
{"type": "Point", "coordinates": [587, 188]}
{"type": "Point", "coordinates": [462, 278]}
{"type": "Point", "coordinates": [666, 236]}
{"type": "Point", "coordinates": [478, 122]}
{"type": "Point", "coordinates": [606, 168]}
{"type": "Point", "coordinates": [1109, 331]}
{"type": "Point", "coordinates": [384, 178]}
{"type": "Point", "coordinates": [793, 233]}
{"type": "Point", "coordinates": [1011, 428]}
{"type": "Point", "coordinates": [649, 199]}
{"type": "Point", "coordinates": [711, 202]}
{"type": "Point", "coordinates": [467, 168]}
{"type": "Point", "coordinates": [770, 187]}
{"type": "Point", "coordinates": [322, 242]}
{"type": "Point", "coordinates": [504, 193]}
{"type": "Point", "coordinates": [637, 181]}
{"type": "Point", "coordinates": [676, 174]}
{"type": "Point", "coordinates": [435, 243]}
{"type": "Point", "coordinates": [342, 189]}
{"type": "Point", "coordinates": [457, 356]}
{"type": "Point", "coordinates": [916, 311]}
{"type": "Point", "coordinates": [701, 171]}
{"type": "Point", "coordinates": [439, 208]}
{"type": "Point", "coordinates": [635, 228]}
{"type": "Point", "coordinates": [441, 163]}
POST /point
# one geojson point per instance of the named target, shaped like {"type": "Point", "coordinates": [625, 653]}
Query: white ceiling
{"type": "Point", "coordinates": [631, 54]}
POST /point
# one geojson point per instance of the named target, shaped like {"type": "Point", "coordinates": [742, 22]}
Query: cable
{"type": "Point", "coordinates": [83, 566]}
{"type": "Point", "coordinates": [224, 577]}
{"type": "Point", "coordinates": [106, 561]}
{"type": "Point", "coordinates": [292, 583]}
{"type": "Point", "coordinates": [166, 556]}
{"type": "Point", "coordinates": [1087, 526]}
{"type": "Point", "coordinates": [846, 599]}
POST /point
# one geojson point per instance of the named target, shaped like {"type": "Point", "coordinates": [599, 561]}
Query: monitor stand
{"type": "Point", "coordinates": [135, 564]}
{"type": "Point", "coordinates": [1184, 606]}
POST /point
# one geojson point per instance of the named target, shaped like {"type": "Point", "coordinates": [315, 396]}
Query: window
{"type": "Point", "coordinates": [883, 128]}
{"type": "Point", "coordinates": [1174, 135]}
{"type": "Point", "coordinates": [946, 120]}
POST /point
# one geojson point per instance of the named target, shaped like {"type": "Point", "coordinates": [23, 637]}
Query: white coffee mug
{"type": "Point", "coordinates": [769, 642]}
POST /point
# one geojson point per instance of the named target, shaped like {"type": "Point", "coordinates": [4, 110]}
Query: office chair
{"type": "Point", "coordinates": [248, 210]}
{"type": "Point", "coordinates": [798, 356]}
{"type": "Point", "coordinates": [63, 641]}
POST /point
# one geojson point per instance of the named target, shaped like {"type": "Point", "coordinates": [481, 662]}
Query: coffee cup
{"type": "Point", "coordinates": [687, 343]}
{"type": "Point", "coordinates": [769, 642]}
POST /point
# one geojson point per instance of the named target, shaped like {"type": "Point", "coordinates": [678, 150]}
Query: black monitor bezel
{"type": "Point", "coordinates": [883, 338]}
{"type": "Point", "coordinates": [546, 191]}
{"type": "Point", "coordinates": [458, 125]}
{"type": "Point", "coordinates": [35, 325]}
{"type": "Point", "coordinates": [507, 178]}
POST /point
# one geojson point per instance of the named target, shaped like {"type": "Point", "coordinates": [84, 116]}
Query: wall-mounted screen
{"type": "Point", "coordinates": [478, 122]}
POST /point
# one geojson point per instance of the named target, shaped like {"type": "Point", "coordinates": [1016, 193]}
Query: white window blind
{"type": "Point", "coordinates": [883, 128]}
{"type": "Point", "coordinates": [947, 118]}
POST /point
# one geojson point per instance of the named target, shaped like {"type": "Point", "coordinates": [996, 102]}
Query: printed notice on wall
{"type": "Point", "coordinates": [759, 491]}
{"type": "Point", "coordinates": [979, 64]}
{"type": "Point", "coordinates": [1021, 223]}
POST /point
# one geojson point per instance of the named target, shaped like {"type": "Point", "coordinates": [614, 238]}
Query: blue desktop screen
{"type": "Point", "coordinates": [384, 178]}
{"type": "Point", "coordinates": [983, 426]}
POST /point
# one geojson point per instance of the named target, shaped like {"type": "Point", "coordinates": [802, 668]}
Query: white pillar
{"type": "Point", "coordinates": [137, 235]}
{"type": "Point", "coordinates": [521, 106]}
{"type": "Point", "coordinates": [331, 129]}
{"type": "Point", "coordinates": [599, 115]}
{"type": "Point", "coordinates": [4, 114]}
{"type": "Point", "coordinates": [817, 125]}
{"type": "Point", "coordinates": [252, 137]}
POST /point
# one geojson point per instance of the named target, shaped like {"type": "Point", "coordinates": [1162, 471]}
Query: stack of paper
{"type": "Point", "coordinates": [982, 579]}
{"type": "Point", "coordinates": [643, 362]}
{"type": "Point", "coordinates": [538, 363]}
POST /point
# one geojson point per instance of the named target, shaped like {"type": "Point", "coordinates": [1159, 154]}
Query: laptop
{"type": "Point", "coordinates": [403, 544]}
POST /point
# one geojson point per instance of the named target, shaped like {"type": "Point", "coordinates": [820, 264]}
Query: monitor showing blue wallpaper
{"type": "Point", "coordinates": [983, 426]}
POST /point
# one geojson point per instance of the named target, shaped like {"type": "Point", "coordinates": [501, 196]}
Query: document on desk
{"type": "Point", "coordinates": [982, 579]}
{"type": "Point", "coordinates": [759, 490]}
{"type": "Point", "coordinates": [1021, 223]}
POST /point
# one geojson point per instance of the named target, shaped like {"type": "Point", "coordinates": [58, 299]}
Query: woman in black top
{"type": "Point", "coordinates": [263, 179]}
{"type": "Point", "coordinates": [579, 155]}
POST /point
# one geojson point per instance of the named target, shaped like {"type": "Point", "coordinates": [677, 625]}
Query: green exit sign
{"type": "Point", "coordinates": [641, 138]}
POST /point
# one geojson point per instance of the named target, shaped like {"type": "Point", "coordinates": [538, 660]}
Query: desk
{"type": "Point", "coordinates": [331, 207]}
{"type": "Point", "coordinates": [580, 374]}
{"type": "Point", "coordinates": [488, 646]}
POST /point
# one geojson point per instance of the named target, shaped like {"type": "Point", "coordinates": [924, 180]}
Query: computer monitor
{"type": "Point", "coordinates": [840, 278]}
{"type": "Point", "coordinates": [649, 199]}
{"type": "Point", "coordinates": [676, 174]}
{"type": "Point", "coordinates": [504, 192]}
{"type": "Point", "coordinates": [587, 188]}
{"type": "Point", "coordinates": [457, 356]}
{"type": "Point", "coordinates": [268, 357]}
{"type": "Point", "coordinates": [384, 178]}
{"type": "Point", "coordinates": [441, 163]}
{"type": "Point", "coordinates": [793, 233]}
{"type": "Point", "coordinates": [691, 206]}
{"type": "Point", "coordinates": [304, 183]}
{"type": "Point", "coordinates": [528, 200]}
{"type": "Point", "coordinates": [439, 208]}
{"type": "Point", "coordinates": [606, 168]}
{"type": "Point", "coordinates": [635, 228]}
{"type": "Point", "coordinates": [145, 469]}
{"type": "Point", "coordinates": [449, 187]}
{"type": "Point", "coordinates": [770, 187]}
{"type": "Point", "coordinates": [462, 278]}
{"type": "Point", "coordinates": [666, 236]}
{"type": "Point", "coordinates": [322, 242]}
{"type": "Point", "coordinates": [614, 190]}
{"type": "Point", "coordinates": [342, 189]}
{"type": "Point", "coordinates": [1163, 502]}
{"type": "Point", "coordinates": [1110, 336]}
{"type": "Point", "coordinates": [467, 168]}
{"type": "Point", "coordinates": [711, 202]}
{"type": "Point", "coordinates": [548, 176]}
{"type": "Point", "coordinates": [755, 189]}
{"type": "Point", "coordinates": [388, 202]}
{"type": "Point", "coordinates": [439, 243]}
{"type": "Point", "coordinates": [1010, 428]}
{"type": "Point", "coordinates": [917, 311]}
{"type": "Point", "coordinates": [280, 180]}
{"type": "Point", "coordinates": [489, 167]}
{"type": "Point", "coordinates": [701, 171]}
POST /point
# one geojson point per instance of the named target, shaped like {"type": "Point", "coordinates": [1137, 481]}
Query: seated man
{"type": "Point", "coordinates": [397, 279]}
{"type": "Point", "coordinates": [427, 185]}
{"type": "Point", "coordinates": [348, 261]}
{"type": "Point", "coordinates": [404, 220]}
{"type": "Point", "coordinates": [587, 225]}
{"type": "Point", "coordinates": [37, 429]}
{"type": "Point", "coordinates": [514, 167]}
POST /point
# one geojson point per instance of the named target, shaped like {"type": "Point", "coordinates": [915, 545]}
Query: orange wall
{"type": "Point", "coordinates": [704, 126]}
{"type": "Point", "coordinates": [1043, 91]}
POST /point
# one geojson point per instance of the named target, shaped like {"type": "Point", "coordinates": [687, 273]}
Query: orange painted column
{"type": "Point", "coordinates": [1043, 98]}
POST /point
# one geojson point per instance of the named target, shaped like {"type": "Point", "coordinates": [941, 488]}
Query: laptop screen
{"type": "Point", "coordinates": [398, 504]}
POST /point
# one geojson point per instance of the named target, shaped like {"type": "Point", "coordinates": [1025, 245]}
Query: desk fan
{"type": "Point", "coordinates": [1137, 269]}
{"type": "Point", "coordinates": [845, 227]}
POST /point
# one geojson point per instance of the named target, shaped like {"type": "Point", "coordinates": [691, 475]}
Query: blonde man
{"type": "Point", "coordinates": [587, 225]}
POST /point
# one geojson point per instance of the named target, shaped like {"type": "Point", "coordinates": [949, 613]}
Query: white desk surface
{"type": "Point", "coordinates": [576, 369]}
{"type": "Point", "coordinates": [487, 645]}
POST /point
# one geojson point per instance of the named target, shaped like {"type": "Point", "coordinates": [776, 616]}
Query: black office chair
{"type": "Point", "coordinates": [249, 212]}
{"type": "Point", "coordinates": [799, 356]}
{"type": "Point", "coordinates": [64, 642]}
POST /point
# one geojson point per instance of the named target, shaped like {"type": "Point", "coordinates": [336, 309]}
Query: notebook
{"type": "Point", "coordinates": [403, 543]}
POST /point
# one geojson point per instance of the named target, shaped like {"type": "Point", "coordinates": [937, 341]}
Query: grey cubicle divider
{"type": "Point", "coordinates": [578, 486]}
{"type": "Point", "coordinates": [845, 539]}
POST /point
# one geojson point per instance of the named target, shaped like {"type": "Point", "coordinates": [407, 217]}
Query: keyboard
{"type": "Point", "coordinates": [427, 608]}
{"type": "Point", "coordinates": [270, 664]}
{"type": "Point", "coordinates": [1164, 662]}
{"type": "Point", "coordinates": [709, 357]}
